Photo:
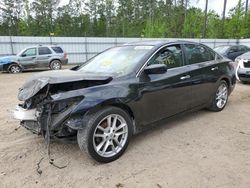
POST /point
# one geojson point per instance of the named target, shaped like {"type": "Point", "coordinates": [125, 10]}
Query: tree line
{"type": "Point", "coordinates": [122, 18]}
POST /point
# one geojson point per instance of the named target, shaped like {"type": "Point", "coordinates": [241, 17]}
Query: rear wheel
{"type": "Point", "coordinates": [55, 65]}
{"type": "Point", "coordinates": [14, 69]}
{"type": "Point", "coordinates": [220, 97]}
{"type": "Point", "coordinates": [106, 134]}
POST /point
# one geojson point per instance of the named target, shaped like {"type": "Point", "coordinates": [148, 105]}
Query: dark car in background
{"type": "Point", "coordinates": [122, 91]}
{"type": "Point", "coordinates": [51, 56]}
{"type": "Point", "coordinates": [231, 51]}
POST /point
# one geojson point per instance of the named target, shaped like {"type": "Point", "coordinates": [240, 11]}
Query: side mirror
{"type": "Point", "coordinates": [23, 55]}
{"type": "Point", "coordinates": [156, 69]}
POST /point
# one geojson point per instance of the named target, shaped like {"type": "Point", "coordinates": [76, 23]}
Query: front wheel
{"type": "Point", "coordinates": [106, 134]}
{"type": "Point", "coordinates": [220, 98]}
{"type": "Point", "coordinates": [14, 69]}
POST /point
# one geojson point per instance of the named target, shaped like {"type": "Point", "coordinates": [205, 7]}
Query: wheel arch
{"type": "Point", "coordinates": [55, 59]}
{"type": "Point", "coordinates": [7, 66]}
{"type": "Point", "coordinates": [105, 104]}
{"type": "Point", "coordinates": [120, 105]}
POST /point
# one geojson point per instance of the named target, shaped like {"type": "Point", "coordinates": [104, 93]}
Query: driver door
{"type": "Point", "coordinates": [167, 94]}
{"type": "Point", "coordinates": [28, 58]}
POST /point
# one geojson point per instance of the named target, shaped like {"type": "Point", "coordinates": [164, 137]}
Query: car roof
{"type": "Point", "coordinates": [229, 45]}
{"type": "Point", "coordinates": [50, 45]}
{"type": "Point", "coordinates": [159, 42]}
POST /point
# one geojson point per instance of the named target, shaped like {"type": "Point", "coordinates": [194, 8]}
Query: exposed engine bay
{"type": "Point", "coordinates": [44, 111]}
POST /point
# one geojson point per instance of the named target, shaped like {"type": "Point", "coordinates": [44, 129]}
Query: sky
{"type": "Point", "coordinates": [216, 5]}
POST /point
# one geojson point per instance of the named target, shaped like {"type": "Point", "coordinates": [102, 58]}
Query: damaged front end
{"type": "Point", "coordinates": [48, 103]}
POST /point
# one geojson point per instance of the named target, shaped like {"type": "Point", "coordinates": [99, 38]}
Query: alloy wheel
{"type": "Point", "coordinates": [110, 135]}
{"type": "Point", "coordinates": [15, 69]}
{"type": "Point", "coordinates": [56, 65]}
{"type": "Point", "coordinates": [221, 96]}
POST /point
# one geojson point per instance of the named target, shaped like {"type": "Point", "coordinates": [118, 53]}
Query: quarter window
{"type": "Point", "coordinates": [170, 56]}
{"type": "Point", "coordinates": [58, 50]}
{"type": "Point", "coordinates": [198, 53]}
{"type": "Point", "coordinates": [44, 51]}
{"type": "Point", "coordinates": [30, 52]}
{"type": "Point", "coordinates": [243, 48]}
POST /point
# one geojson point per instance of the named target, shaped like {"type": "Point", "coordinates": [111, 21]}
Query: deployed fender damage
{"type": "Point", "coordinates": [49, 98]}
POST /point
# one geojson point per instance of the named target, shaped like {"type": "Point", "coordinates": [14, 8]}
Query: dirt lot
{"type": "Point", "coordinates": [202, 149]}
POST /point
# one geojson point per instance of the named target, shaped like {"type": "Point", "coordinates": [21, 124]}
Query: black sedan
{"type": "Point", "coordinates": [231, 51]}
{"type": "Point", "coordinates": [122, 91]}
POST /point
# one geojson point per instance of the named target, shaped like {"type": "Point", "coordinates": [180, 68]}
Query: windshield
{"type": "Point", "coordinates": [221, 49]}
{"type": "Point", "coordinates": [118, 61]}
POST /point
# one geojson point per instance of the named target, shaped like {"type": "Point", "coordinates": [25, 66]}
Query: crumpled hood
{"type": "Point", "coordinates": [40, 80]}
{"type": "Point", "coordinates": [7, 59]}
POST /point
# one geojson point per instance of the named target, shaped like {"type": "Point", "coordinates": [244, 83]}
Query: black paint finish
{"type": "Point", "coordinates": [149, 98]}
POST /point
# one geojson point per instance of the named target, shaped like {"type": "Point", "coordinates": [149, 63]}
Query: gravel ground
{"type": "Point", "coordinates": [201, 149]}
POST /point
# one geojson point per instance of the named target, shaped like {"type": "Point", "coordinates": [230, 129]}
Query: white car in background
{"type": "Point", "coordinates": [243, 68]}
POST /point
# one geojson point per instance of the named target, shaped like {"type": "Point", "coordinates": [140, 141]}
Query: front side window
{"type": "Point", "coordinates": [44, 51]}
{"type": "Point", "coordinates": [117, 61]}
{"type": "Point", "coordinates": [170, 56]}
{"type": "Point", "coordinates": [29, 52]}
{"type": "Point", "coordinates": [198, 53]}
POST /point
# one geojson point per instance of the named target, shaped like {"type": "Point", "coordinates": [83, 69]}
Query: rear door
{"type": "Point", "coordinates": [28, 58]}
{"type": "Point", "coordinates": [44, 56]}
{"type": "Point", "coordinates": [164, 95]}
{"type": "Point", "coordinates": [204, 72]}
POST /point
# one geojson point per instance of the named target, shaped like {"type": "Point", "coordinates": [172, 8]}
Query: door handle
{"type": "Point", "coordinates": [185, 77]}
{"type": "Point", "coordinates": [214, 68]}
{"type": "Point", "coordinates": [48, 56]}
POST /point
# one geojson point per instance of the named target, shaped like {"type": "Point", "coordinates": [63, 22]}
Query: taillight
{"type": "Point", "coordinates": [65, 55]}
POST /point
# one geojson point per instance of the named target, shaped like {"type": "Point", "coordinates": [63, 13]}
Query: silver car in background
{"type": "Point", "coordinates": [51, 56]}
{"type": "Point", "coordinates": [243, 68]}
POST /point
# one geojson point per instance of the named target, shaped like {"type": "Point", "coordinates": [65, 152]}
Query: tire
{"type": "Point", "coordinates": [14, 69]}
{"type": "Point", "coordinates": [55, 65]}
{"type": "Point", "coordinates": [102, 142]}
{"type": "Point", "coordinates": [220, 97]}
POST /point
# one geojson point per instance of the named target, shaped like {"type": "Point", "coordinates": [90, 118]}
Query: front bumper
{"type": "Point", "coordinates": [244, 74]}
{"type": "Point", "coordinates": [1, 68]}
{"type": "Point", "coordinates": [28, 119]}
{"type": "Point", "coordinates": [24, 114]}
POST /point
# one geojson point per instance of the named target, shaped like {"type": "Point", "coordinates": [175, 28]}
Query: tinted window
{"type": "Point", "coordinates": [170, 56]}
{"type": "Point", "coordinates": [58, 50]}
{"type": "Point", "coordinates": [30, 52]}
{"type": "Point", "coordinates": [44, 50]}
{"type": "Point", "coordinates": [233, 49]}
{"type": "Point", "coordinates": [198, 53]}
{"type": "Point", "coordinates": [243, 48]}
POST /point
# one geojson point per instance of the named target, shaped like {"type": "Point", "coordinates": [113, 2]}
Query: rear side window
{"type": "Point", "coordinates": [44, 51]}
{"type": "Point", "coordinates": [58, 50]}
{"type": "Point", "coordinates": [198, 53]}
{"type": "Point", "coordinates": [243, 48]}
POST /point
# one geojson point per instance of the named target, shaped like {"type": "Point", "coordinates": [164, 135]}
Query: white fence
{"type": "Point", "coordinates": [79, 49]}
